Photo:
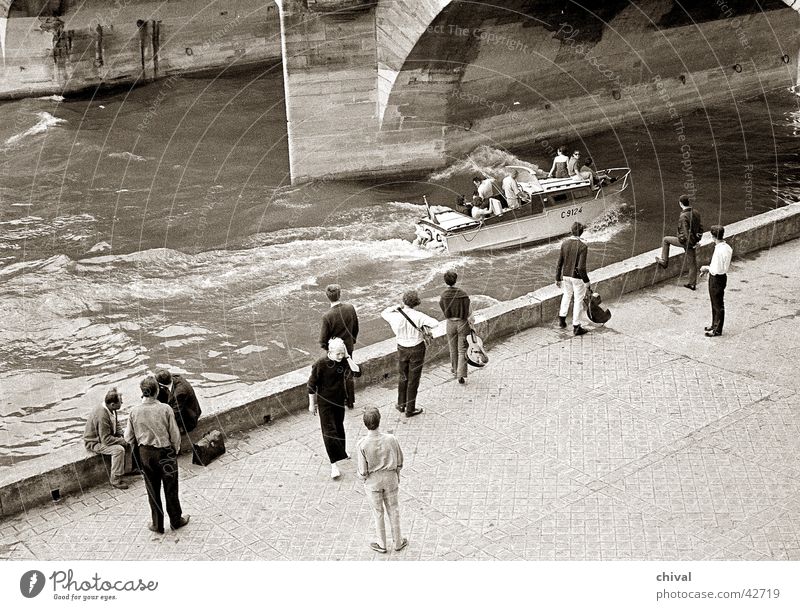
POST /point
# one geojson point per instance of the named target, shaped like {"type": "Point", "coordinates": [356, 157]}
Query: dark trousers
{"type": "Point", "coordinates": [689, 258]}
{"type": "Point", "coordinates": [716, 290]}
{"type": "Point", "coordinates": [161, 466]}
{"type": "Point", "coordinates": [409, 368]}
{"type": "Point", "coordinates": [331, 422]}
{"type": "Point", "coordinates": [349, 385]}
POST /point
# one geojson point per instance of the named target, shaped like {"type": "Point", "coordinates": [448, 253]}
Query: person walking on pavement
{"type": "Point", "coordinates": [717, 271]}
{"type": "Point", "coordinates": [456, 307]}
{"type": "Point", "coordinates": [572, 278]}
{"type": "Point", "coordinates": [380, 460]}
{"type": "Point", "coordinates": [341, 320]}
{"type": "Point", "coordinates": [690, 232]}
{"type": "Point", "coordinates": [103, 436]}
{"type": "Point", "coordinates": [152, 426]}
{"type": "Point", "coordinates": [179, 394]}
{"type": "Point", "coordinates": [327, 393]}
{"type": "Point", "coordinates": [407, 322]}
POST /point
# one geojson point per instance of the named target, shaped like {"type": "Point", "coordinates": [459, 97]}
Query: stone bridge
{"type": "Point", "coordinates": [397, 86]}
{"type": "Point", "coordinates": [381, 87]}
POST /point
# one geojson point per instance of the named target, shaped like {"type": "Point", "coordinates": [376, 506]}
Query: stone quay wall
{"type": "Point", "coordinates": [73, 469]}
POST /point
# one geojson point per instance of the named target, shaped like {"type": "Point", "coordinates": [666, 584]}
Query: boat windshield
{"type": "Point", "coordinates": [527, 179]}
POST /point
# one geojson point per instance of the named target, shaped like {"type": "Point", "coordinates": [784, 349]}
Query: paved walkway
{"type": "Point", "coordinates": [644, 440]}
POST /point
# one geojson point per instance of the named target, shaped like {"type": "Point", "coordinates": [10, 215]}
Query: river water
{"type": "Point", "coordinates": [157, 227]}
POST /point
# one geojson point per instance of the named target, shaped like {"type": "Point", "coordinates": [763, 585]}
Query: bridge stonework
{"type": "Point", "coordinates": [398, 86]}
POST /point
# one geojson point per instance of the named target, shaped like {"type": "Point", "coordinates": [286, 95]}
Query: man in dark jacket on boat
{"type": "Point", "coordinates": [690, 232]}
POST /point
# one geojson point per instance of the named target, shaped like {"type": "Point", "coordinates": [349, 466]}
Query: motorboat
{"type": "Point", "coordinates": [555, 203]}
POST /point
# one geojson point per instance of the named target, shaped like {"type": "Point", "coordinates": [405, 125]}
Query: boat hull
{"type": "Point", "coordinates": [458, 233]}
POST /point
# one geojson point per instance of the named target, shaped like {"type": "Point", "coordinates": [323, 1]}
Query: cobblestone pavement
{"type": "Point", "coordinates": [642, 440]}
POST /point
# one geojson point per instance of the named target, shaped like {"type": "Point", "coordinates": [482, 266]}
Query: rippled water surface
{"type": "Point", "coordinates": [157, 227]}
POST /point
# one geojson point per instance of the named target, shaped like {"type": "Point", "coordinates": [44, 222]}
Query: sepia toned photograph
{"type": "Point", "coordinates": [420, 281]}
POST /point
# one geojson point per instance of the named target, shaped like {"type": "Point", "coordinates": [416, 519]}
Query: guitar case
{"type": "Point", "coordinates": [476, 354]}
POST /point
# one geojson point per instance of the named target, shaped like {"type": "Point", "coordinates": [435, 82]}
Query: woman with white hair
{"type": "Point", "coordinates": [327, 393]}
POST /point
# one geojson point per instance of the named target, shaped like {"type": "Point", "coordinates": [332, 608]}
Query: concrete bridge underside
{"type": "Point", "coordinates": [396, 86]}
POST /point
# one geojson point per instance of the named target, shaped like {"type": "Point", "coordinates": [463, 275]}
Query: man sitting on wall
{"type": "Point", "coordinates": [103, 436]}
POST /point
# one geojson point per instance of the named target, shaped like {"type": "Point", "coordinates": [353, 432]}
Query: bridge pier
{"type": "Point", "coordinates": [335, 104]}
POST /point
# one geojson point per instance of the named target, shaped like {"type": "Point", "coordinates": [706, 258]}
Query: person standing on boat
{"type": "Point", "coordinates": [327, 394]}
{"type": "Point", "coordinates": [690, 232]}
{"type": "Point", "coordinates": [341, 320]}
{"type": "Point", "coordinates": [456, 307]}
{"type": "Point", "coordinates": [513, 192]}
{"type": "Point", "coordinates": [572, 278]}
{"type": "Point", "coordinates": [559, 169]}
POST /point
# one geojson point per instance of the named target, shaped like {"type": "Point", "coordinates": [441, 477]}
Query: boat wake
{"type": "Point", "coordinates": [483, 160]}
{"type": "Point", "coordinates": [46, 121]}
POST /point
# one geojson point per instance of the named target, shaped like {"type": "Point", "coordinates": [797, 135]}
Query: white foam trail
{"type": "Point", "coordinates": [46, 121]}
{"type": "Point", "coordinates": [53, 98]}
{"type": "Point", "coordinates": [483, 160]}
{"type": "Point", "coordinates": [126, 155]}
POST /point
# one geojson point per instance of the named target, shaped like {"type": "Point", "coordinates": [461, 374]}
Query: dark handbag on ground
{"type": "Point", "coordinates": [476, 354]}
{"type": "Point", "coordinates": [208, 448]}
{"type": "Point", "coordinates": [597, 313]}
{"type": "Point", "coordinates": [427, 335]}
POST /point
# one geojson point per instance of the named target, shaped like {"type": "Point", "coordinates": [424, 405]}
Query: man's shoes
{"type": "Point", "coordinates": [154, 529]}
{"type": "Point", "coordinates": [690, 286]}
{"type": "Point", "coordinates": [579, 330]}
{"type": "Point", "coordinates": [462, 380]}
{"type": "Point", "coordinates": [712, 333]}
{"type": "Point", "coordinates": [400, 408]}
{"type": "Point", "coordinates": [661, 262]}
{"type": "Point", "coordinates": [562, 321]}
{"type": "Point", "coordinates": [414, 412]}
{"type": "Point", "coordinates": [184, 520]}
{"type": "Point", "coordinates": [403, 544]}
{"type": "Point", "coordinates": [120, 485]}
{"type": "Point", "coordinates": [377, 547]}
{"type": "Point", "coordinates": [708, 328]}
{"type": "Point", "coordinates": [335, 474]}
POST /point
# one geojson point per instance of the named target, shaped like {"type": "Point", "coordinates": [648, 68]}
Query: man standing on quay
{"type": "Point", "coordinates": [407, 322]}
{"type": "Point", "coordinates": [380, 460]}
{"type": "Point", "coordinates": [456, 307]}
{"type": "Point", "coordinates": [717, 271]}
{"type": "Point", "coordinates": [152, 426]}
{"type": "Point", "coordinates": [690, 232]}
{"type": "Point", "coordinates": [178, 393]}
{"type": "Point", "coordinates": [572, 278]}
{"type": "Point", "coordinates": [341, 320]}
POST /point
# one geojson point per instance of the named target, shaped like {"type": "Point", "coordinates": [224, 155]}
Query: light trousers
{"type": "Point", "coordinates": [117, 453]}
{"type": "Point", "coordinates": [383, 489]}
{"type": "Point", "coordinates": [574, 288]}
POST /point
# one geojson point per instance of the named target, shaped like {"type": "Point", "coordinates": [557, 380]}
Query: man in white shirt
{"type": "Point", "coordinates": [717, 271]}
{"type": "Point", "coordinates": [406, 323]}
{"type": "Point", "coordinates": [485, 190]}
{"type": "Point", "coordinates": [512, 190]}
